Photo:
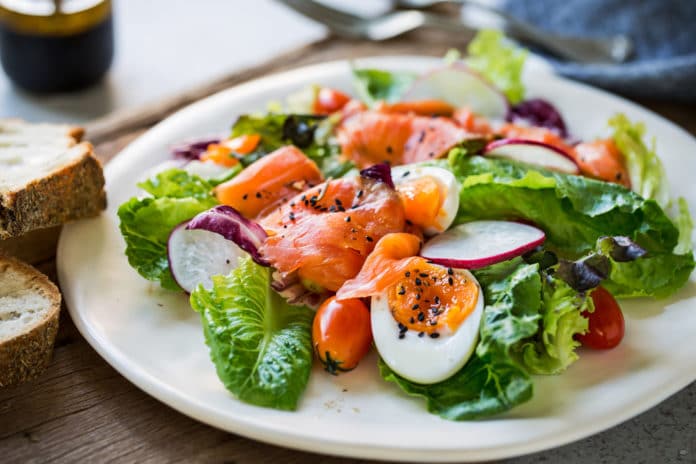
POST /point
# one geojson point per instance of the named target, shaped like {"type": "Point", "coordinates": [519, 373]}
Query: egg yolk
{"type": "Point", "coordinates": [432, 299]}
{"type": "Point", "coordinates": [422, 198]}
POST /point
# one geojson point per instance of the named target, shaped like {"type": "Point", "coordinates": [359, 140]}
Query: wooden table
{"type": "Point", "coordinates": [82, 410]}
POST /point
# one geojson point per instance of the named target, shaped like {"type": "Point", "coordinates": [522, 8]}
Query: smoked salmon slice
{"type": "Point", "coordinates": [393, 256]}
{"type": "Point", "coordinates": [373, 137]}
{"type": "Point", "coordinates": [325, 233]}
{"type": "Point", "coordinates": [268, 181]}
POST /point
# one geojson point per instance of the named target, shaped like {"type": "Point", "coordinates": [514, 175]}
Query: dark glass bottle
{"type": "Point", "coordinates": [56, 46]}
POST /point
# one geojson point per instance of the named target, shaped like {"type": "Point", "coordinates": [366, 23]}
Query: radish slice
{"type": "Point", "coordinates": [533, 152]}
{"type": "Point", "coordinates": [197, 255]}
{"type": "Point", "coordinates": [230, 224]}
{"type": "Point", "coordinates": [481, 243]}
{"type": "Point", "coordinates": [461, 87]}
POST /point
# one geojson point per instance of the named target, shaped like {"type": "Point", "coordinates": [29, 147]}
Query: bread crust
{"type": "Point", "coordinates": [26, 355]}
{"type": "Point", "coordinates": [75, 191]}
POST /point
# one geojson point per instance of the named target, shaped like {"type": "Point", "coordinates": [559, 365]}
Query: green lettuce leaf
{"type": "Point", "coordinates": [499, 61]}
{"type": "Point", "coordinates": [260, 345]}
{"type": "Point", "coordinates": [177, 183]}
{"type": "Point", "coordinates": [686, 226]}
{"type": "Point", "coordinates": [145, 226]}
{"type": "Point", "coordinates": [552, 349]}
{"type": "Point", "coordinates": [145, 223]}
{"type": "Point", "coordinates": [492, 381]}
{"type": "Point", "coordinates": [574, 211]}
{"type": "Point", "coordinates": [373, 85]}
{"type": "Point", "coordinates": [645, 169]}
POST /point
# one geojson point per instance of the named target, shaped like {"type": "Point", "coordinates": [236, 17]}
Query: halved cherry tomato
{"type": "Point", "coordinates": [606, 323]}
{"type": "Point", "coordinates": [329, 100]}
{"type": "Point", "coordinates": [341, 334]}
{"type": "Point", "coordinates": [243, 144]}
{"type": "Point", "coordinates": [221, 153]}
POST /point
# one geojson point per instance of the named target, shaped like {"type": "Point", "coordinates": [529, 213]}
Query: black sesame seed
{"type": "Point", "coordinates": [418, 296]}
{"type": "Point", "coordinates": [338, 202]}
{"type": "Point", "coordinates": [431, 154]}
{"type": "Point", "coordinates": [415, 306]}
{"type": "Point", "coordinates": [436, 299]}
{"type": "Point", "coordinates": [450, 281]}
{"type": "Point", "coordinates": [245, 196]}
{"type": "Point", "coordinates": [347, 219]}
{"type": "Point", "coordinates": [368, 238]}
{"type": "Point", "coordinates": [390, 150]}
{"type": "Point", "coordinates": [418, 281]}
{"type": "Point", "coordinates": [423, 274]}
{"type": "Point", "coordinates": [360, 193]}
{"type": "Point", "coordinates": [332, 209]}
{"type": "Point", "coordinates": [421, 316]}
{"type": "Point", "coordinates": [434, 335]}
{"type": "Point", "coordinates": [258, 194]}
{"type": "Point", "coordinates": [292, 216]}
{"type": "Point", "coordinates": [408, 274]}
{"type": "Point", "coordinates": [292, 205]}
{"type": "Point", "coordinates": [406, 174]}
{"type": "Point", "coordinates": [402, 327]}
{"type": "Point", "coordinates": [450, 271]}
{"type": "Point", "coordinates": [408, 223]}
{"type": "Point", "coordinates": [411, 320]}
{"type": "Point", "coordinates": [402, 291]}
{"type": "Point", "coordinates": [227, 261]}
{"type": "Point", "coordinates": [402, 335]}
{"type": "Point", "coordinates": [421, 334]}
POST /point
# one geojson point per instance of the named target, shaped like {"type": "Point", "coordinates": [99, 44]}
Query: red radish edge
{"type": "Point", "coordinates": [461, 67]}
{"type": "Point", "coordinates": [503, 142]}
{"type": "Point", "coordinates": [479, 263]}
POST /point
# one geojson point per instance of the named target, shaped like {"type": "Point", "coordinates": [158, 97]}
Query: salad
{"type": "Point", "coordinates": [442, 219]}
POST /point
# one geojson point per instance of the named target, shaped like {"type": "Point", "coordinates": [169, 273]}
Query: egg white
{"type": "Point", "coordinates": [448, 184]}
{"type": "Point", "coordinates": [425, 360]}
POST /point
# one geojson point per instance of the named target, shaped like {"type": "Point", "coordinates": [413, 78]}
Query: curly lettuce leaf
{"type": "Point", "coordinates": [645, 169]}
{"type": "Point", "coordinates": [499, 61]}
{"type": "Point", "coordinates": [145, 226]}
{"type": "Point", "coordinates": [177, 183]}
{"type": "Point", "coordinates": [373, 85]}
{"type": "Point", "coordinates": [552, 349]}
{"type": "Point", "coordinates": [145, 223]}
{"type": "Point", "coordinates": [492, 381]}
{"type": "Point", "coordinates": [260, 345]}
{"type": "Point", "coordinates": [574, 211]}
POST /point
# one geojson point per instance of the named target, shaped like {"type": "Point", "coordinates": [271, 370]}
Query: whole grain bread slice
{"type": "Point", "coordinates": [47, 177]}
{"type": "Point", "coordinates": [29, 311]}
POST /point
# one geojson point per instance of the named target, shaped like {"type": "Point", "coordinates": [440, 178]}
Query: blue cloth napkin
{"type": "Point", "coordinates": [664, 33]}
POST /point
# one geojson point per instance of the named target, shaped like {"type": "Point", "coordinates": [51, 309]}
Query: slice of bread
{"type": "Point", "coordinates": [29, 310]}
{"type": "Point", "coordinates": [47, 177]}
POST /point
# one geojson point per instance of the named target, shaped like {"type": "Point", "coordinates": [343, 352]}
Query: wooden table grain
{"type": "Point", "coordinates": [82, 410]}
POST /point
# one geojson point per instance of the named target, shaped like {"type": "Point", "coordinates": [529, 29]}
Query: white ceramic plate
{"type": "Point", "coordinates": [154, 339]}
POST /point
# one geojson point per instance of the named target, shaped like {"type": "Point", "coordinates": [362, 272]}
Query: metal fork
{"type": "Point", "coordinates": [396, 23]}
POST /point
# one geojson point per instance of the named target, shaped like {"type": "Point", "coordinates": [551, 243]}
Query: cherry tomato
{"type": "Point", "coordinates": [341, 334]}
{"type": "Point", "coordinates": [329, 100]}
{"type": "Point", "coordinates": [606, 323]}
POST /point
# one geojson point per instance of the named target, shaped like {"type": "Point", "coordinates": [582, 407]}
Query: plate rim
{"type": "Point", "coordinates": [173, 398]}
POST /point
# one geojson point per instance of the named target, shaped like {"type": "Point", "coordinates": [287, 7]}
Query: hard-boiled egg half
{"type": "Point", "coordinates": [430, 196]}
{"type": "Point", "coordinates": [426, 326]}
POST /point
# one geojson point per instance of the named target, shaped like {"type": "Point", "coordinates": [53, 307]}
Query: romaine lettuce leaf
{"type": "Point", "coordinates": [260, 345]}
{"type": "Point", "coordinates": [145, 223]}
{"type": "Point", "coordinates": [145, 226]}
{"type": "Point", "coordinates": [686, 227]}
{"type": "Point", "coordinates": [552, 349]}
{"type": "Point", "coordinates": [499, 61]}
{"type": "Point", "coordinates": [574, 211]}
{"type": "Point", "coordinates": [373, 85]}
{"type": "Point", "coordinates": [645, 169]}
{"type": "Point", "coordinates": [492, 381]}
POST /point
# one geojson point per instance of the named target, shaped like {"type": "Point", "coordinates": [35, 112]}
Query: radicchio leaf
{"type": "Point", "coordinates": [192, 149]}
{"type": "Point", "coordinates": [540, 113]}
{"type": "Point", "coordinates": [380, 172]}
